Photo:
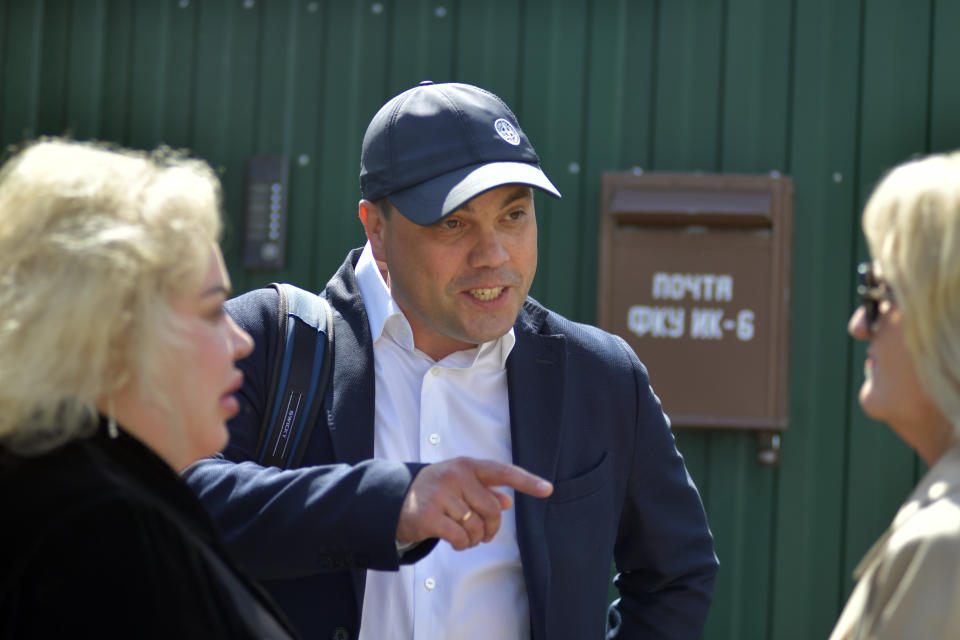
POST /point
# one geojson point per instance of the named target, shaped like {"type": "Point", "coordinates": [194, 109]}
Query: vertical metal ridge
{"type": "Point", "coordinates": [654, 81]}
{"type": "Point", "coordinates": [848, 356]}
{"type": "Point", "coordinates": [721, 88]}
{"type": "Point", "coordinates": [931, 35]}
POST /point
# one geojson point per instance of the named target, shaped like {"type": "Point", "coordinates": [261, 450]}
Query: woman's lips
{"type": "Point", "coordinates": [230, 405]}
{"type": "Point", "coordinates": [228, 401]}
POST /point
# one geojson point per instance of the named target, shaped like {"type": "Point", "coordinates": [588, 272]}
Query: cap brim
{"type": "Point", "coordinates": [435, 199]}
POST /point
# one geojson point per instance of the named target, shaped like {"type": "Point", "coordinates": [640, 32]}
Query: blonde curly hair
{"type": "Point", "coordinates": [94, 243]}
{"type": "Point", "coordinates": [912, 226]}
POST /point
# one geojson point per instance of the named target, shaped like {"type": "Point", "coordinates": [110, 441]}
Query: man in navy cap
{"type": "Point", "coordinates": [440, 354]}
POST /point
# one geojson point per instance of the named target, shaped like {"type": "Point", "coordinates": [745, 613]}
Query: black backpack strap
{"type": "Point", "coordinates": [298, 380]}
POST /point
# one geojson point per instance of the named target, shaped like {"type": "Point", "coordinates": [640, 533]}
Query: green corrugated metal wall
{"type": "Point", "coordinates": [832, 92]}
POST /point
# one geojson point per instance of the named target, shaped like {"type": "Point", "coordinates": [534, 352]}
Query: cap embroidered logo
{"type": "Point", "coordinates": [506, 131]}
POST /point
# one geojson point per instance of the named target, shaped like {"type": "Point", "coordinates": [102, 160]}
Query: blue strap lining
{"type": "Point", "coordinates": [282, 384]}
{"type": "Point", "coordinates": [314, 375]}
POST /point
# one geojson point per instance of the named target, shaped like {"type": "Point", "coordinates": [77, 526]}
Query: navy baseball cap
{"type": "Point", "coordinates": [436, 146]}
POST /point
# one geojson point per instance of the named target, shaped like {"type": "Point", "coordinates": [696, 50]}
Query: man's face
{"type": "Point", "coordinates": [462, 281]}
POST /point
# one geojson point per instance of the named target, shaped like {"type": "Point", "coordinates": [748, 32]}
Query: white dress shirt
{"type": "Point", "coordinates": [430, 411]}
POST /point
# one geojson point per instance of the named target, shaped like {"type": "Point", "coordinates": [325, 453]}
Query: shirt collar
{"type": "Point", "coordinates": [385, 315]}
{"type": "Point", "coordinates": [376, 296]}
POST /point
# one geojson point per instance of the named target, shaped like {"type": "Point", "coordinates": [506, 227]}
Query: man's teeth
{"type": "Point", "coordinates": [486, 294]}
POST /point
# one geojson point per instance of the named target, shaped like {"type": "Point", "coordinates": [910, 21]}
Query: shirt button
{"type": "Point", "coordinates": [430, 583]}
{"type": "Point", "coordinates": [435, 371]}
{"type": "Point", "coordinates": [434, 438]}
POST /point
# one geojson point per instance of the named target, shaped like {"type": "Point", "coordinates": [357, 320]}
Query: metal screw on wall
{"type": "Point", "coordinates": [768, 448]}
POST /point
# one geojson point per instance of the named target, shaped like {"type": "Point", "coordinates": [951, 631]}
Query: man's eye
{"type": "Point", "coordinates": [451, 224]}
{"type": "Point", "coordinates": [516, 215]}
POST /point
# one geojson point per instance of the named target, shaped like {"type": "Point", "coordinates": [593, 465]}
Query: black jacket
{"type": "Point", "coordinates": [100, 538]}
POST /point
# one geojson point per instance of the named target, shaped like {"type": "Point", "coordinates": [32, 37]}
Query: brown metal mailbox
{"type": "Point", "coordinates": [694, 274]}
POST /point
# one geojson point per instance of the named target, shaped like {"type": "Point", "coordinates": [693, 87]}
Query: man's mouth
{"type": "Point", "coordinates": [485, 293]}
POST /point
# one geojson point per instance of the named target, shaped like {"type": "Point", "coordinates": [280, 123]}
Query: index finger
{"type": "Point", "coordinates": [497, 474]}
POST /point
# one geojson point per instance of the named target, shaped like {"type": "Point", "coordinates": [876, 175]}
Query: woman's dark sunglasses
{"type": "Point", "coordinates": [872, 291]}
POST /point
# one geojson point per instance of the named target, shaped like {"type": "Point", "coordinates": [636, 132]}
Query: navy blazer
{"type": "Point", "coordinates": [582, 415]}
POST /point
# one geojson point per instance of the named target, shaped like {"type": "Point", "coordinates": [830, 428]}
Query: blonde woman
{"type": "Point", "coordinates": [117, 370]}
{"type": "Point", "coordinates": [909, 582]}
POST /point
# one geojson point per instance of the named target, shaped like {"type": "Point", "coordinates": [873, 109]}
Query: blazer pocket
{"type": "Point", "coordinates": [584, 484]}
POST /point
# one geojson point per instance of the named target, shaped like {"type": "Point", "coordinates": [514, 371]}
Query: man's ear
{"type": "Point", "coordinates": [374, 224]}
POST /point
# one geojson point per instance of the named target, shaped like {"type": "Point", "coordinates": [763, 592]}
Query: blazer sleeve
{"type": "Point", "coordinates": [282, 524]}
{"type": "Point", "coordinates": [664, 550]}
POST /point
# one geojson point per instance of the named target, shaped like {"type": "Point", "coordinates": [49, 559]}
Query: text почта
{"type": "Point", "coordinates": [705, 323]}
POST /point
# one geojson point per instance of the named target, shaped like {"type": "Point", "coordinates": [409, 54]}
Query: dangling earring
{"type": "Point", "coordinates": [111, 423]}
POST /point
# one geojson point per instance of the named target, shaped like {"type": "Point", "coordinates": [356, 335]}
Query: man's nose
{"type": "Point", "coordinates": [489, 250]}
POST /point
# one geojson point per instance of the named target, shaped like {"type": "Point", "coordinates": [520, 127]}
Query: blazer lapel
{"type": "Point", "coordinates": [536, 373]}
{"type": "Point", "coordinates": [350, 411]}
{"type": "Point", "coordinates": [350, 420]}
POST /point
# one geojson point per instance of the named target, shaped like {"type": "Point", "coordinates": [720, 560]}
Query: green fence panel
{"type": "Point", "coordinates": [23, 44]}
{"type": "Point", "coordinates": [552, 99]}
{"type": "Point", "coordinates": [85, 68]}
{"type": "Point", "coordinates": [756, 86]}
{"type": "Point", "coordinates": [53, 68]}
{"type": "Point", "coordinates": [687, 86]}
{"type": "Point", "coordinates": [283, 64]}
{"type": "Point", "coordinates": [149, 53]}
{"type": "Point", "coordinates": [823, 162]}
{"type": "Point", "coordinates": [355, 72]}
{"type": "Point", "coordinates": [617, 114]}
{"type": "Point", "coordinates": [944, 88]}
{"type": "Point", "coordinates": [421, 43]}
{"type": "Point", "coordinates": [302, 132]}
{"type": "Point", "coordinates": [487, 41]}
{"type": "Point", "coordinates": [117, 72]}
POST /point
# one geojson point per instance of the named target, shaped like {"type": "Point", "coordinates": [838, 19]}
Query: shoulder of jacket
{"type": "Point", "coordinates": [579, 337]}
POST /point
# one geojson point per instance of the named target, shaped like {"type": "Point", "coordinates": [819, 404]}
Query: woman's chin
{"type": "Point", "coordinates": [212, 441]}
{"type": "Point", "coordinates": [221, 439]}
{"type": "Point", "coordinates": [869, 402]}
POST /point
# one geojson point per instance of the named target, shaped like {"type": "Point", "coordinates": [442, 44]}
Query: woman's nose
{"type": "Point", "coordinates": [857, 325]}
{"type": "Point", "coordinates": [242, 341]}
